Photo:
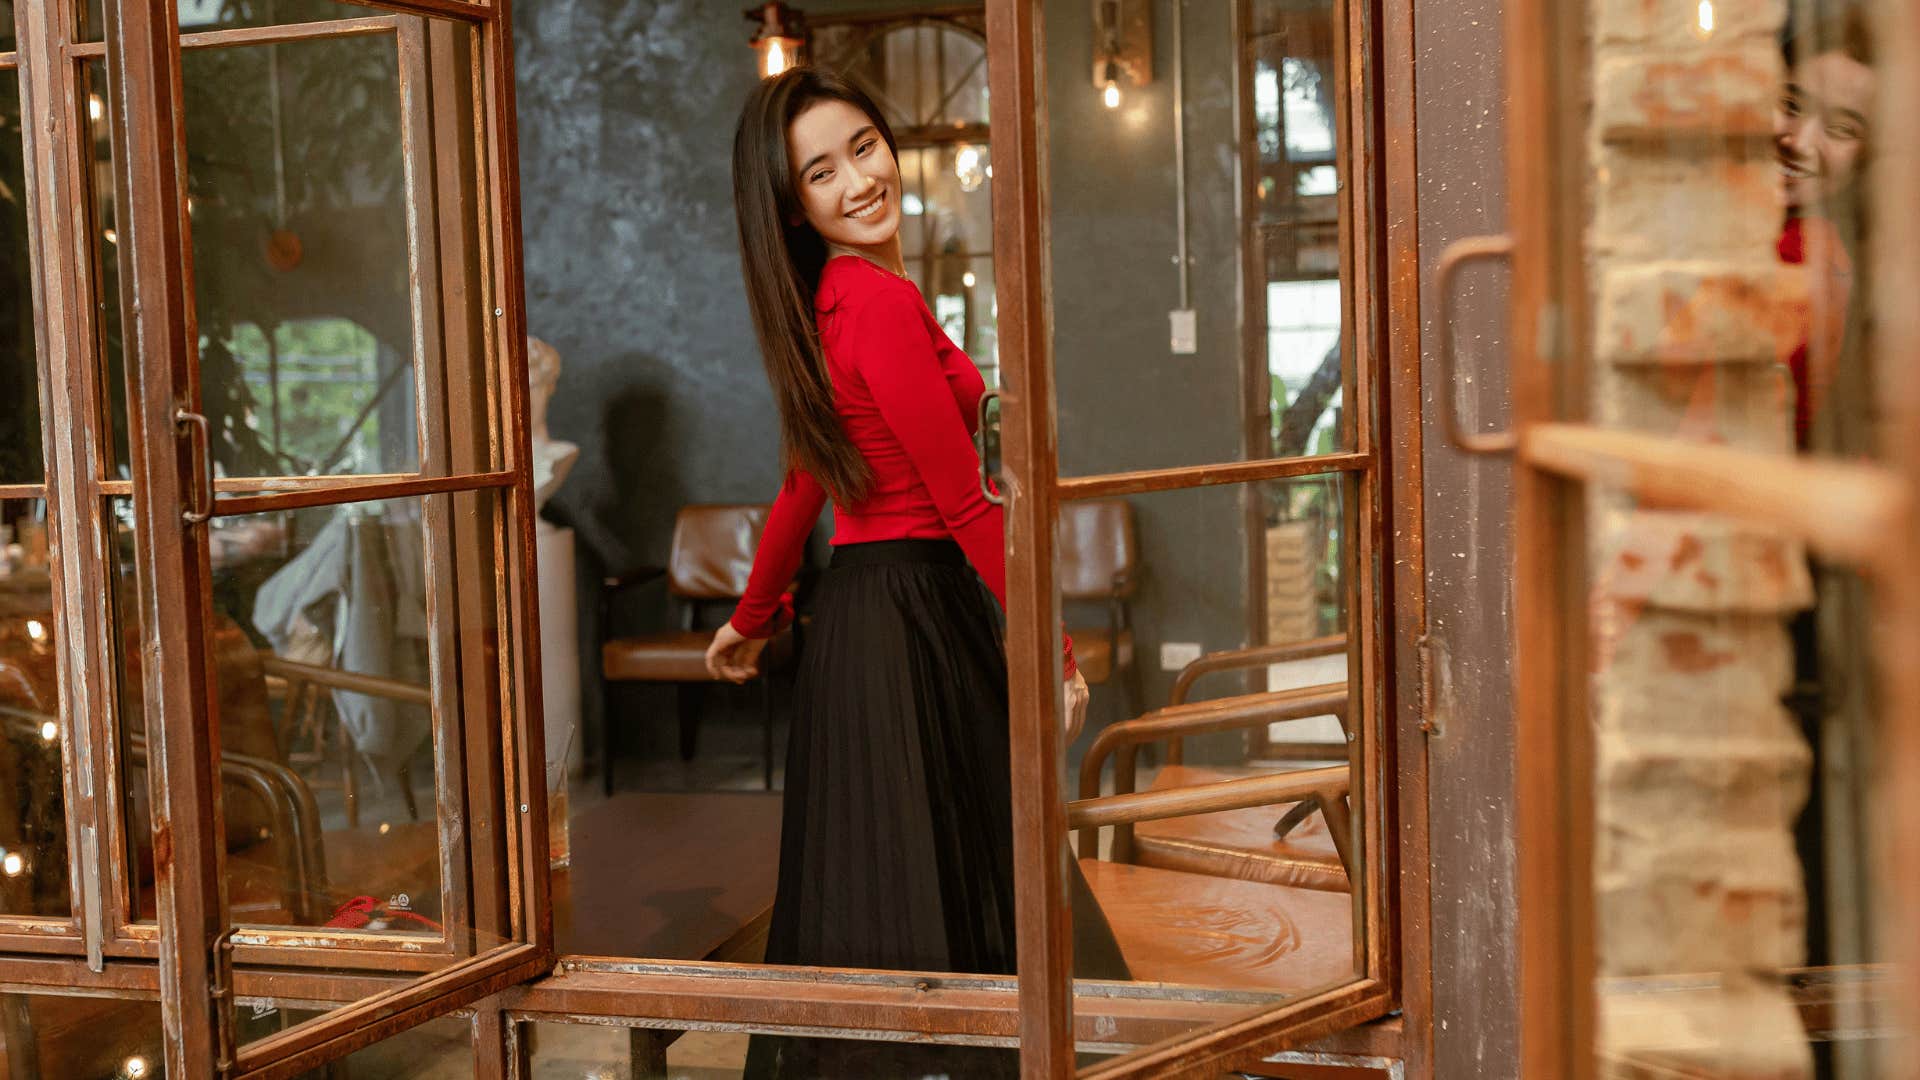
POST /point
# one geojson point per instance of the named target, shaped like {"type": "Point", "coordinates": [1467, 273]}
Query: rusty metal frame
{"type": "Point", "coordinates": [1035, 490]}
{"type": "Point", "coordinates": [654, 993]}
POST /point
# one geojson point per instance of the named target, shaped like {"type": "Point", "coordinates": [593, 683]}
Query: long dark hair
{"type": "Point", "coordinates": [782, 262]}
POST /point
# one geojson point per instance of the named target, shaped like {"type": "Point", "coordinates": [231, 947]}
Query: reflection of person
{"type": "Point", "coordinates": [896, 836]}
{"type": "Point", "coordinates": [1820, 138]}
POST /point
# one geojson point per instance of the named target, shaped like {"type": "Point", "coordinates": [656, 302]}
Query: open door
{"type": "Point", "coordinates": [1717, 582]}
{"type": "Point", "coordinates": [315, 500]}
{"type": "Point", "coordinates": [1198, 493]}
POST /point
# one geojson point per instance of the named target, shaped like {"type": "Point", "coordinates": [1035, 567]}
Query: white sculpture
{"type": "Point", "coordinates": [552, 459]}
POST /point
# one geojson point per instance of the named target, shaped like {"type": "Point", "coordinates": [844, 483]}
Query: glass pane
{"type": "Point", "coordinates": [298, 202]}
{"type": "Point", "coordinates": [8, 42]}
{"type": "Point", "coordinates": [1260, 371]}
{"type": "Point", "coordinates": [85, 1038]}
{"type": "Point", "coordinates": [200, 16]}
{"type": "Point", "coordinates": [337, 633]}
{"type": "Point", "coordinates": [1738, 765]}
{"type": "Point", "coordinates": [1256, 895]}
{"type": "Point", "coordinates": [20, 438]}
{"type": "Point", "coordinates": [441, 1049]}
{"type": "Point", "coordinates": [33, 832]}
{"type": "Point", "coordinates": [925, 74]}
{"type": "Point", "coordinates": [596, 1052]}
{"type": "Point", "coordinates": [110, 342]}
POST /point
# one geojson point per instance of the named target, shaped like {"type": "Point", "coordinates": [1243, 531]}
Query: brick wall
{"type": "Point", "coordinates": [1700, 771]}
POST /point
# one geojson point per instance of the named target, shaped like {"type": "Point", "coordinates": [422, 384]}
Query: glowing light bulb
{"type": "Point", "coordinates": [112, 236]}
{"type": "Point", "coordinates": [13, 864]}
{"type": "Point", "coordinates": [135, 1067]}
{"type": "Point", "coordinates": [95, 107]}
{"type": "Point", "coordinates": [37, 630]}
{"type": "Point", "coordinates": [1111, 95]}
{"type": "Point", "coordinates": [1703, 18]}
{"type": "Point", "coordinates": [968, 279]}
{"type": "Point", "coordinates": [776, 57]}
{"type": "Point", "coordinates": [49, 731]}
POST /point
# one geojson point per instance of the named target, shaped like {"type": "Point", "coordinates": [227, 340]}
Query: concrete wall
{"type": "Point", "coordinates": [626, 115]}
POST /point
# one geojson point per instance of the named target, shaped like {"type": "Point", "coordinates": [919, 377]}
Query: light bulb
{"type": "Point", "coordinates": [1703, 18]}
{"type": "Point", "coordinates": [1111, 95]}
{"type": "Point", "coordinates": [968, 279]}
{"type": "Point", "coordinates": [777, 58]}
{"type": "Point", "coordinates": [136, 1067]}
{"type": "Point", "coordinates": [49, 731]}
{"type": "Point", "coordinates": [37, 630]}
{"type": "Point", "coordinates": [13, 864]}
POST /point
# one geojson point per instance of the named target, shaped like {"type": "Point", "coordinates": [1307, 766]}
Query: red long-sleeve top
{"type": "Point", "coordinates": [909, 399]}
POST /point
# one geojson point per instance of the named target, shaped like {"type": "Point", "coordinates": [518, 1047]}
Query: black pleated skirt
{"type": "Point", "coordinates": [896, 838]}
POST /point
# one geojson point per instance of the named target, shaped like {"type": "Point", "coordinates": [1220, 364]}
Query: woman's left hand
{"type": "Point", "coordinates": [1075, 695]}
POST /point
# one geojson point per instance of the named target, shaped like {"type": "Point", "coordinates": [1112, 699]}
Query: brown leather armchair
{"type": "Point", "coordinates": [1099, 560]}
{"type": "Point", "coordinates": [708, 565]}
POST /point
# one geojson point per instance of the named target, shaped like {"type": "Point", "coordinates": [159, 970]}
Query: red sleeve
{"type": "Point", "coordinates": [767, 605]}
{"type": "Point", "coordinates": [888, 344]}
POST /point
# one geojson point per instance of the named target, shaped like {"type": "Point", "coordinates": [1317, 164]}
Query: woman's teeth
{"type": "Point", "coordinates": [870, 209]}
{"type": "Point", "coordinates": [1795, 172]}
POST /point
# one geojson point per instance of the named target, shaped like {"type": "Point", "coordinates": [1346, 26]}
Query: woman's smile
{"type": "Point", "coordinates": [871, 207]}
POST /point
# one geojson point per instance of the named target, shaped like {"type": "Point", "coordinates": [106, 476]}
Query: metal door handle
{"type": "Point", "coordinates": [203, 498]}
{"type": "Point", "coordinates": [980, 443]}
{"type": "Point", "coordinates": [1458, 254]}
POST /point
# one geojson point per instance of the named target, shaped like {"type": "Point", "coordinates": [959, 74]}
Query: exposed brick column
{"type": "Point", "coordinates": [1700, 771]}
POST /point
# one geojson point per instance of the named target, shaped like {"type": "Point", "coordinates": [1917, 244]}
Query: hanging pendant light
{"type": "Point", "coordinates": [779, 39]}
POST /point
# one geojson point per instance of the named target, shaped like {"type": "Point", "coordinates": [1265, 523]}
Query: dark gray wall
{"type": "Point", "coordinates": [626, 115]}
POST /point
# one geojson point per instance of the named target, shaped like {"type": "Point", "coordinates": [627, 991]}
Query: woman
{"type": "Point", "coordinates": [896, 837]}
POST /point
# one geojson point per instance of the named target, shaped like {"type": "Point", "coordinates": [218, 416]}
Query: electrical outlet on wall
{"type": "Point", "coordinates": [1175, 655]}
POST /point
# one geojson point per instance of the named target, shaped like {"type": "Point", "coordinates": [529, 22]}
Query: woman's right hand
{"type": "Point", "coordinates": [733, 656]}
{"type": "Point", "coordinates": [1074, 698]}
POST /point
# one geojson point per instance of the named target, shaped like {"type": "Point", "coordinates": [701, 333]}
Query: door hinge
{"type": "Point", "coordinates": [1423, 674]}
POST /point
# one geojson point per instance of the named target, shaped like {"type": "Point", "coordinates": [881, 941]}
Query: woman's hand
{"type": "Point", "coordinates": [733, 656]}
{"type": "Point", "coordinates": [1076, 694]}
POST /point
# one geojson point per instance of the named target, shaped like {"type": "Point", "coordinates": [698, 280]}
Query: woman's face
{"type": "Point", "coordinates": [1820, 127]}
{"type": "Point", "coordinates": [845, 175]}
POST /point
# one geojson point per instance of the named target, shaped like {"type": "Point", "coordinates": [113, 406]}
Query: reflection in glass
{"type": "Point", "coordinates": [923, 73]}
{"type": "Point", "coordinates": [83, 1038]}
{"type": "Point", "coordinates": [301, 263]}
{"type": "Point", "coordinates": [20, 437]}
{"type": "Point", "coordinates": [33, 837]}
{"type": "Point", "coordinates": [333, 725]}
{"type": "Point", "coordinates": [440, 1049]}
{"type": "Point", "coordinates": [1257, 894]}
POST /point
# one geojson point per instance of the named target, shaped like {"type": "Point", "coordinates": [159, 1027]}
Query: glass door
{"type": "Point", "coordinates": [1188, 327]}
{"type": "Point", "coordinates": [313, 500]}
{"type": "Point", "coordinates": [1714, 255]}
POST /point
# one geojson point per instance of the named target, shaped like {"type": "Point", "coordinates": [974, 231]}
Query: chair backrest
{"type": "Point", "coordinates": [713, 550]}
{"type": "Point", "coordinates": [1096, 542]}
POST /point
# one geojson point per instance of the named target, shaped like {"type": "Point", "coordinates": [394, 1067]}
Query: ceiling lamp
{"type": "Point", "coordinates": [779, 39]}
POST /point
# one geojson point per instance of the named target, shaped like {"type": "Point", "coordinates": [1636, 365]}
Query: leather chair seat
{"type": "Point", "coordinates": [1197, 930]}
{"type": "Point", "coordinates": [1094, 652]}
{"type": "Point", "coordinates": [1238, 843]}
{"type": "Point", "coordinates": [676, 656]}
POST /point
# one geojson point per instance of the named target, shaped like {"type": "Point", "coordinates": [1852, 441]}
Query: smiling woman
{"type": "Point", "coordinates": [896, 844]}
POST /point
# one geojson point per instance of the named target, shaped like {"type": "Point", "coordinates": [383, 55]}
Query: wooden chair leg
{"type": "Point", "coordinates": [766, 727]}
{"type": "Point", "coordinates": [647, 1052]}
{"type": "Point", "coordinates": [350, 779]}
{"type": "Point", "coordinates": [690, 698]}
{"type": "Point", "coordinates": [610, 693]}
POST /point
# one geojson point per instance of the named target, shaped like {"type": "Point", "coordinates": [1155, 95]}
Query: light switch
{"type": "Point", "coordinates": [1185, 337]}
